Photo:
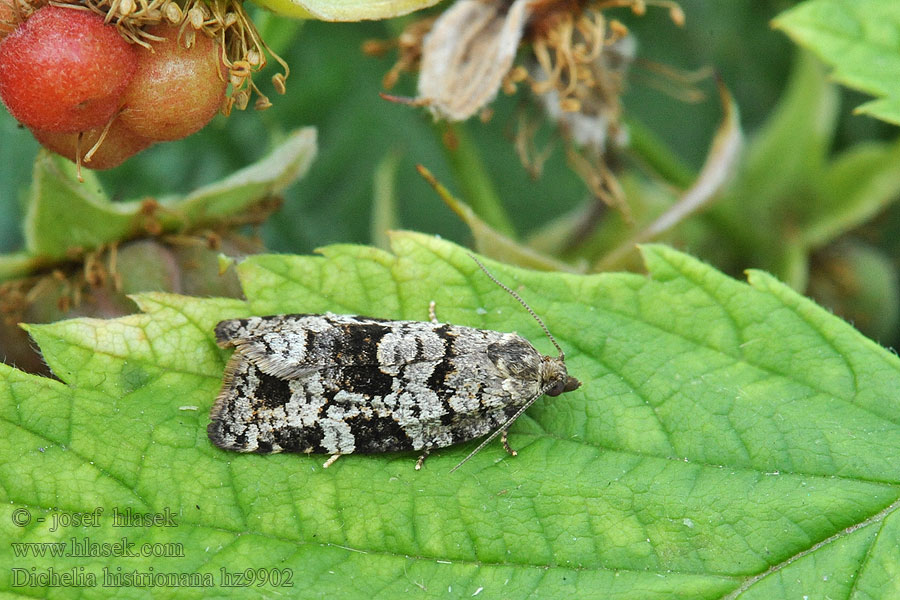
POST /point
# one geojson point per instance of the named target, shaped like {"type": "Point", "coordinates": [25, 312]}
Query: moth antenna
{"type": "Point", "coordinates": [500, 429]}
{"type": "Point", "coordinates": [562, 356]}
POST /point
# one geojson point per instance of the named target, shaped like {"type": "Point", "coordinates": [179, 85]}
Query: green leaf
{"type": "Point", "coordinates": [761, 220]}
{"type": "Point", "coordinates": [858, 184]}
{"type": "Point", "coordinates": [344, 10]}
{"type": "Point", "coordinates": [284, 165]}
{"type": "Point", "coordinates": [730, 440]}
{"type": "Point", "coordinates": [859, 39]}
{"type": "Point", "coordinates": [66, 217]}
{"type": "Point", "coordinates": [783, 160]}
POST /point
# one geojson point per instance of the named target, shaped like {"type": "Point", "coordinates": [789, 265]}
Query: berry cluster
{"type": "Point", "coordinates": [91, 95]}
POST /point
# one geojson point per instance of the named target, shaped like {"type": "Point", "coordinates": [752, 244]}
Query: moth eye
{"type": "Point", "coordinates": [557, 389]}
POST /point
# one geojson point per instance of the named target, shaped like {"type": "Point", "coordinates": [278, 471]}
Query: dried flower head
{"type": "Point", "coordinates": [470, 50]}
{"type": "Point", "coordinates": [588, 113]}
{"type": "Point", "coordinates": [580, 85]}
{"type": "Point", "coordinates": [575, 64]}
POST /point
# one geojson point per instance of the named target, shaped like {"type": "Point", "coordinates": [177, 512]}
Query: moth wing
{"type": "Point", "coordinates": [235, 372]}
{"type": "Point", "coordinates": [296, 346]}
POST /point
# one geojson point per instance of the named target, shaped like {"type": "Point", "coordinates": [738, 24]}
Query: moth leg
{"type": "Point", "coordinates": [431, 314]}
{"type": "Point", "coordinates": [331, 460]}
{"type": "Point", "coordinates": [421, 460]}
{"type": "Point", "coordinates": [506, 444]}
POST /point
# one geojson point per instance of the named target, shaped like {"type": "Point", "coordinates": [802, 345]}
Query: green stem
{"type": "Point", "coordinates": [647, 146]}
{"type": "Point", "coordinates": [384, 200]}
{"type": "Point", "coordinates": [477, 189]}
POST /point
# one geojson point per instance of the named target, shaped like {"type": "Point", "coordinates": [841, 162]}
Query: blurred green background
{"type": "Point", "coordinates": [334, 87]}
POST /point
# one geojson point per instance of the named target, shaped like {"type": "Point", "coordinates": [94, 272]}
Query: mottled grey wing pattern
{"type": "Point", "coordinates": [340, 384]}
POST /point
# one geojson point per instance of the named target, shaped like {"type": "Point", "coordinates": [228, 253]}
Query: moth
{"type": "Point", "coordinates": [343, 384]}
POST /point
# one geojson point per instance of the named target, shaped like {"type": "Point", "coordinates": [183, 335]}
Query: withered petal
{"type": "Point", "coordinates": [467, 53]}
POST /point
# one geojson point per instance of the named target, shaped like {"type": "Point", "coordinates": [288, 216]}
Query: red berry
{"type": "Point", "coordinates": [64, 70]}
{"type": "Point", "coordinates": [175, 90]}
{"type": "Point", "coordinates": [119, 144]}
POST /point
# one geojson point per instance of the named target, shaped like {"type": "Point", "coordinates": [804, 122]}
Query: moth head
{"type": "Point", "coordinates": [555, 381]}
{"type": "Point", "coordinates": [556, 378]}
